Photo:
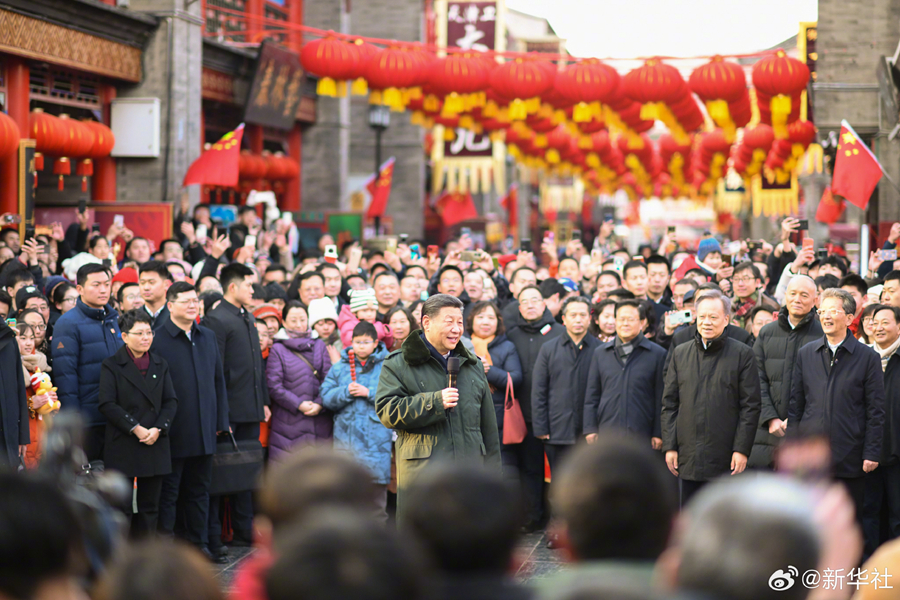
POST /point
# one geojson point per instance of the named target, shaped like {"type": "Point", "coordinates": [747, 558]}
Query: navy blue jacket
{"type": "Point", "coordinates": [82, 339]}
{"type": "Point", "coordinates": [13, 405]}
{"type": "Point", "coordinates": [199, 379]}
{"type": "Point", "coordinates": [628, 397]}
{"type": "Point", "coordinates": [845, 404]}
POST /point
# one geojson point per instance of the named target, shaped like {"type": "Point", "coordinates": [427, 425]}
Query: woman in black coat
{"type": "Point", "coordinates": [138, 400]}
{"type": "Point", "coordinates": [485, 328]}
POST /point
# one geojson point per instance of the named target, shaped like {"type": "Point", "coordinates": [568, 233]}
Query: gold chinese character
{"type": "Point", "coordinates": [278, 88]}
{"type": "Point", "coordinates": [262, 98]}
{"type": "Point", "coordinates": [293, 93]}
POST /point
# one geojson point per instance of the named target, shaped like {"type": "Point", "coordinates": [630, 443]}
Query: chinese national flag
{"type": "Point", "coordinates": [455, 208]}
{"type": "Point", "coordinates": [380, 189]}
{"type": "Point", "coordinates": [856, 170]}
{"type": "Point", "coordinates": [830, 208]}
{"type": "Point", "coordinates": [219, 164]}
{"type": "Point", "coordinates": [510, 204]}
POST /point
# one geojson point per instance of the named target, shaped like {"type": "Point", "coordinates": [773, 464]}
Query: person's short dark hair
{"type": "Point", "coordinates": [159, 569]}
{"type": "Point", "coordinates": [17, 276]}
{"type": "Point", "coordinates": [40, 536]}
{"type": "Point", "coordinates": [892, 276]}
{"type": "Point", "coordinates": [656, 259]}
{"type": "Point", "coordinates": [245, 209]}
{"type": "Point", "coordinates": [92, 243]}
{"type": "Point", "coordinates": [633, 264]}
{"type": "Point", "coordinates": [880, 307]}
{"type": "Point", "coordinates": [466, 517]}
{"type": "Point", "coordinates": [365, 329]}
{"type": "Point", "coordinates": [209, 298]}
{"type": "Point", "coordinates": [158, 267]}
{"type": "Point", "coordinates": [276, 267]}
{"type": "Point", "coordinates": [616, 500]}
{"type": "Point", "coordinates": [747, 266]}
{"type": "Point", "coordinates": [311, 478]}
{"type": "Point", "coordinates": [275, 291]}
{"type": "Point", "coordinates": [826, 282]}
{"type": "Point", "coordinates": [565, 258]}
{"type": "Point", "coordinates": [438, 302]}
{"type": "Point", "coordinates": [342, 555]}
{"type": "Point", "coordinates": [6, 232]}
{"type": "Point", "coordinates": [259, 292]}
{"type": "Point", "coordinates": [201, 206]}
{"type": "Point", "coordinates": [574, 300]}
{"type": "Point", "coordinates": [756, 310]}
{"type": "Point", "coordinates": [129, 319]}
{"type": "Point", "coordinates": [419, 267]}
{"type": "Point", "coordinates": [81, 276]}
{"type": "Point", "coordinates": [179, 287]}
{"type": "Point", "coordinates": [59, 292]}
{"type": "Point", "coordinates": [175, 263]}
{"type": "Point", "coordinates": [551, 286]}
{"type": "Point", "coordinates": [621, 294]}
{"type": "Point", "coordinates": [598, 308]}
{"type": "Point", "coordinates": [309, 275]}
{"type": "Point", "coordinates": [388, 273]}
{"type": "Point", "coordinates": [234, 273]}
{"type": "Point", "coordinates": [406, 313]}
{"type": "Point", "coordinates": [709, 285]}
{"type": "Point", "coordinates": [477, 309]}
{"type": "Point", "coordinates": [131, 242]}
{"type": "Point", "coordinates": [6, 299]}
{"type": "Point", "coordinates": [613, 274]}
{"type": "Point", "coordinates": [697, 271]}
{"type": "Point", "coordinates": [21, 314]}
{"type": "Point", "coordinates": [512, 278]}
{"type": "Point", "coordinates": [530, 287]}
{"type": "Point", "coordinates": [120, 295]}
{"type": "Point", "coordinates": [688, 281]}
{"type": "Point", "coordinates": [855, 281]}
{"type": "Point", "coordinates": [835, 261]}
{"type": "Point", "coordinates": [162, 244]}
{"type": "Point", "coordinates": [291, 305]}
{"type": "Point", "coordinates": [633, 303]}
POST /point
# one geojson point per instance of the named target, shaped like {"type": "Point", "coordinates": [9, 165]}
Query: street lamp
{"type": "Point", "coordinates": [379, 120]}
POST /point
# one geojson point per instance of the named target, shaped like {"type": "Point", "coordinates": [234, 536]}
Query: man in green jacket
{"type": "Point", "coordinates": [433, 421]}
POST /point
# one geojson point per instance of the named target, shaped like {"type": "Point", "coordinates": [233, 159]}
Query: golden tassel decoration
{"type": "Point", "coordinates": [360, 87]}
{"type": "Point", "coordinates": [781, 110]}
{"type": "Point", "coordinates": [326, 87]}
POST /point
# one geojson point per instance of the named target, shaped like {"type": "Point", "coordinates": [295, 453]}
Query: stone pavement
{"type": "Point", "coordinates": [536, 560]}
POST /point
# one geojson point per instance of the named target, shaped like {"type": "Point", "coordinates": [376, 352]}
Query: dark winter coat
{"type": "Point", "coordinates": [557, 391]}
{"type": "Point", "coordinates": [890, 447]}
{"type": "Point", "coordinates": [245, 375]}
{"type": "Point", "coordinates": [129, 399]}
{"type": "Point", "coordinates": [776, 351]}
{"type": "Point", "coordinates": [505, 361]}
{"type": "Point", "coordinates": [196, 370]}
{"type": "Point", "coordinates": [83, 338]}
{"type": "Point", "coordinates": [356, 424]}
{"type": "Point", "coordinates": [528, 337]}
{"type": "Point", "coordinates": [628, 397]}
{"type": "Point", "coordinates": [846, 403]}
{"type": "Point", "coordinates": [710, 406]}
{"type": "Point", "coordinates": [291, 383]}
{"type": "Point", "coordinates": [409, 400]}
{"type": "Point", "coordinates": [13, 399]}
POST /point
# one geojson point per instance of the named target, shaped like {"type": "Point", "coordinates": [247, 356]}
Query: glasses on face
{"type": "Point", "coordinates": [869, 321]}
{"type": "Point", "coordinates": [69, 300]}
{"type": "Point", "coordinates": [832, 312]}
{"type": "Point", "coordinates": [40, 327]}
{"type": "Point", "coordinates": [131, 297]}
{"type": "Point", "coordinates": [142, 334]}
{"type": "Point", "coordinates": [744, 279]}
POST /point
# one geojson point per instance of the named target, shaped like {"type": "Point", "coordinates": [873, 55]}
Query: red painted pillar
{"type": "Point", "coordinates": [103, 183]}
{"type": "Point", "coordinates": [291, 201]}
{"type": "Point", "coordinates": [17, 107]}
{"type": "Point", "coordinates": [254, 134]}
{"type": "Point", "coordinates": [295, 16]}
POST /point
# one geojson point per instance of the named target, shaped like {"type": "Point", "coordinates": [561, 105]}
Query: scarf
{"type": "Point", "coordinates": [481, 349]}
{"type": "Point", "coordinates": [744, 309]}
{"type": "Point", "coordinates": [886, 353]}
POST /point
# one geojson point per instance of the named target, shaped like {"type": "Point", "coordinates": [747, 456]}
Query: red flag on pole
{"type": "Point", "coordinates": [456, 207]}
{"type": "Point", "coordinates": [830, 208]}
{"type": "Point", "coordinates": [219, 164]}
{"type": "Point", "coordinates": [510, 204]}
{"type": "Point", "coordinates": [380, 189]}
{"type": "Point", "coordinates": [856, 170]}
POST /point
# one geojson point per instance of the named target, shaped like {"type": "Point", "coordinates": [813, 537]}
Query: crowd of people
{"type": "Point", "coordinates": [629, 381]}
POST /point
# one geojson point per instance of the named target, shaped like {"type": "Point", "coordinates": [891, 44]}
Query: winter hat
{"type": "Point", "coordinates": [126, 275]}
{"type": "Point", "coordinates": [267, 310]}
{"type": "Point", "coordinates": [274, 291]}
{"type": "Point", "coordinates": [707, 246]}
{"type": "Point", "coordinates": [360, 299]}
{"type": "Point", "coordinates": [26, 293]}
{"type": "Point", "coordinates": [321, 309]}
{"type": "Point", "coordinates": [51, 283]}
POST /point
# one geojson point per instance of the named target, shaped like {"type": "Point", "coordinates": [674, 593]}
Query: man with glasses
{"type": "Point", "coordinates": [129, 297]}
{"type": "Point", "coordinates": [838, 391]}
{"type": "Point", "coordinates": [746, 282]}
{"type": "Point", "coordinates": [196, 369]}
{"type": "Point", "coordinates": [710, 406]}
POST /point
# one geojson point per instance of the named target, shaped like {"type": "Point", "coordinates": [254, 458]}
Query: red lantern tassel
{"type": "Point", "coordinates": [61, 184]}
{"type": "Point", "coordinates": [38, 161]}
{"type": "Point", "coordinates": [84, 184]}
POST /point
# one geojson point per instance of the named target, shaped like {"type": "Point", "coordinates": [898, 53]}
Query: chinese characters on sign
{"type": "Point", "coordinates": [472, 26]}
{"type": "Point", "coordinates": [830, 579]}
{"type": "Point", "coordinates": [275, 93]}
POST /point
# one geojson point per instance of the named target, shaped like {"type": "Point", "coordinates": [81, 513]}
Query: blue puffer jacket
{"type": "Point", "coordinates": [82, 339]}
{"type": "Point", "coordinates": [356, 426]}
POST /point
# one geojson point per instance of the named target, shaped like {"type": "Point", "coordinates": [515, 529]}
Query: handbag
{"type": "Point", "coordinates": [236, 466]}
{"type": "Point", "coordinates": [308, 364]}
{"type": "Point", "coordinates": [514, 428]}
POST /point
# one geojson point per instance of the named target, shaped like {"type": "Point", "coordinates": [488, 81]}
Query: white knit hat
{"type": "Point", "coordinates": [321, 309]}
{"type": "Point", "coordinates": [360, 299]}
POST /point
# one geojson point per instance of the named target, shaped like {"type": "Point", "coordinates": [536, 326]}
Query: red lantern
{"type": "Point", "coordinates": [79, 139]}
{"type": "Point", "coordinates": [719, 80]}
{"type": "Point", "coordinates": [587, 82]}
{"type": "Point", "coordinates": [780, 79]}
{"type": "Point", "coordinates": [365, 52]}
{"type": "Point", "coordinates": [251, 166]}
{"type": "Point", "coordinates": [47, 132]}
{"type": "Point", "coordinates": [760, 136]}
{"type": "Point", "coordinates": [654, 82]}
{"type": "Point", "coordinates": [62, 166]}
{"type": "Point", "coordinates": [104, 141]}
{"type": "Point", "coordinates": [457, 75]}
{"type": "Point", "coordinates": [387, 72]}
{"type": "Point", "coordinates": [802, 132]}
{"type": "Point", "coordinates": [332, 60]}
{"type": "Point", "coordinates": [9, 136]}
{"type": "Point", "coordinates": [523, 81]}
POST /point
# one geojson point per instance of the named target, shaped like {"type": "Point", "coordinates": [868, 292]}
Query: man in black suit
{"type": "Point", "coordinates": [154, 280]}
{"type": "Point", "coordinates": [196, 367]}
{"type": "Point", "coordinates": [248, 395]}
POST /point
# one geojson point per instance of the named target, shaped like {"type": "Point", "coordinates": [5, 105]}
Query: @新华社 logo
{"type": "Point", "coordinates": [782, 580]}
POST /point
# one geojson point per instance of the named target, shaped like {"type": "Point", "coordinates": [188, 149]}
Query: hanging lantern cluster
{"type": "Point", "coordinates": [779, 81]}
{"type": "Point", "coordinates": [675, 160]}
{"type": "Point", "coordinates": [723, 88]}
{"type": "Point", "coordinates": [709, 162]}
{"type": "Point", "coordinates": [783, 157]}
{"type": "Point", "coordinates": [69, 140]}
{"type": "Point", "coordinates": [750, 155]}
{"type": "Point", "coordinates": [664, 96]}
